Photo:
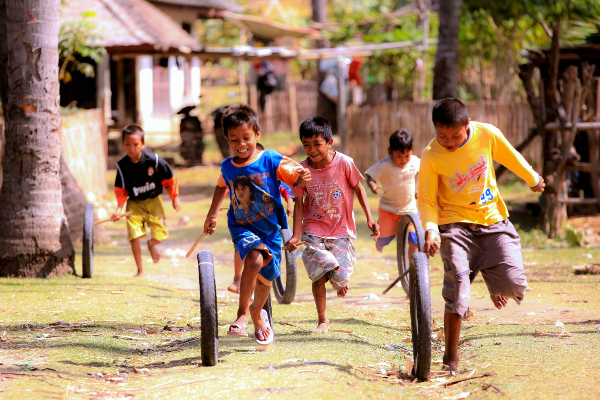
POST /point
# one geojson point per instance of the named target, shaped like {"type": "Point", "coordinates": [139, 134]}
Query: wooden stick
{"type": "Point", "coordinates": [127, 214]}
{"type": "Point", "coordinates": [195, 244]}
{"type": "Point", "coordinates": [223, 208]}
{"type": "Point", "coordinates": [491, 373]}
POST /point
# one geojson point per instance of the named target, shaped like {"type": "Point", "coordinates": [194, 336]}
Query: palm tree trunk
{"type": "Point", "coordinates": [446, 69]}
{"type": "Point", "coordinates": [34, 234]}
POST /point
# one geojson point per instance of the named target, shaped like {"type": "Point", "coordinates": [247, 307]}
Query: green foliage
{"type": "Point", "coordinates": [217, 33]}
{"type": "Point", "coordinates": [79, 39]}
{"type": "Point", "coordinates": [370, 21]}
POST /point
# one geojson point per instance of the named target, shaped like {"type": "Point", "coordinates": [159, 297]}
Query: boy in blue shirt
{"type": "Point", "coordinates": [255, 214]}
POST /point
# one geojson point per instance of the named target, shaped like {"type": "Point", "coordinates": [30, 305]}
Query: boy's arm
{"type": "Point", "coordinates": [508, 156]}
{"type": "Point", "coordinates": [427, 201]}
{"type": "Point", "coordinates": [122, 195]}
{"type": "Point", "coordinates": [361, 194]}
{"type": "Point", "coordinates": [291, 173]}
{"type": "Point", "coordinates": [298, 217]}
{"type": "Point", "coordinates": [171, 185]}
{"type": "Point", "coordinates": [210, 224]}
{"type": "Point", "coordinates": [372, 184]}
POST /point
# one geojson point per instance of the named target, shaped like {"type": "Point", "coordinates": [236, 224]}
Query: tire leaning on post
{"type": "Point", "coordinates": [209, 323]}
{"type": "Point", "coordinates": [87, 256]}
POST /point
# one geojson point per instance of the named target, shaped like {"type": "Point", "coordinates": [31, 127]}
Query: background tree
{"type": "Point", "coordinates": [446, 69]}
{"type": "Point", "coordinates": [34, 234]}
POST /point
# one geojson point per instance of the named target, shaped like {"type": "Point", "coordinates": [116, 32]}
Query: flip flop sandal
{"type": "Point", "coordinates": [269, 339]}
{"type": "Point", "coordinates": [241, 333]}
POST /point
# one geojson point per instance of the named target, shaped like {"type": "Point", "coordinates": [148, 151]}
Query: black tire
{"type": "Point", "coordinates": [285, 293]}
{"type": "Point", "coordinates": [402, 246]}
{"type": "Point", "coordinates": [87, 256]}
{"type": "Point", "coordinates": [420, 314]}
{"type": "Point", "coordinates": [209, 324]}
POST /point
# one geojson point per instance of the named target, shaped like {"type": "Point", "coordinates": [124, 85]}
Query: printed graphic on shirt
{"type": "Point", "coordinates": [473, 174]}
{"type": "Point", "coordinates": [150, 171]}
{"type": "Point", "coordinates": [326, 200]}
{"type": "Point", "coordinates": [143, 189]}
{"type": "Point", "coordinates": [251, 200]}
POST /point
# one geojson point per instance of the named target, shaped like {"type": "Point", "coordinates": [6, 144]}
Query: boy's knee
{"type": "Point", "coordinates": [254, 259]}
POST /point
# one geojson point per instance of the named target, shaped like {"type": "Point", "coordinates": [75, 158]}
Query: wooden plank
{"type": "Point", "coordinates": [582, 126]}
{"type": "Point", "coordinates": [577, 200]}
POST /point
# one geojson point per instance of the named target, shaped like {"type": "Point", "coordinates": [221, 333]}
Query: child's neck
{"type": "Point", "coordinates": [137, 159]}
{"type": "Point", "coordinates": [324, 163]}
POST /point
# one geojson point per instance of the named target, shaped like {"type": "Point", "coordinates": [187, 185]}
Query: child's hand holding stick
{"type": "Point", "coordinates": [210, 226]}
{"type": "Point", "coordinates": [114, 217]}
{"type": "Point", "coordinates": [292, 244]}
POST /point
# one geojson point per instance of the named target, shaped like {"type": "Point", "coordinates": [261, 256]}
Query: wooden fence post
{"type": "Point", "coordinates": [293, 108]}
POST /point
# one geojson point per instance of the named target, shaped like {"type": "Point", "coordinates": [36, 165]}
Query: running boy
{"type": "Point", "coordinates": [325, 219]}
{"type": "Point", "coordinates": [396, 174]}
{"type": "Point", "coordinates": [140, 177]}
{"type": "Point", "coordinates": [237, 262]}
{"type": "Point", "coordinates": [255, 214]}
{"type": "Point", "coordinates": [461, 210]}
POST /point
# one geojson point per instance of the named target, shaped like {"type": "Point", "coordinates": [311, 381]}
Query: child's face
{"type": "Point", "coordinates": [133, 145]}
{"type": "Point", "coordinates": [243, 194]}
{"type": "Point", "coordinates": [400, 158]}
{"type": "Point", "coordinates": [317, 148]}
{"type": "Point", "coordinates": [242, 141]}
{"type": "Point", "coordinates": [451, 137]}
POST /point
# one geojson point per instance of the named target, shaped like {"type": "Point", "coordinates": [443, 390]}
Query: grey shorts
{"type": "Point", "coordinates": [494, 250]}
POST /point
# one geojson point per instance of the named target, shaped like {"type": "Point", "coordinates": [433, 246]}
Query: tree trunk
{"type": "Point", "coordinates": [446, 69]}
{"type": "Point", "coordinates": [34, 233]}
{"type": "Point", "coordinates": [325, 107]}
{"type": "Point", "coordinates": [3, 58]}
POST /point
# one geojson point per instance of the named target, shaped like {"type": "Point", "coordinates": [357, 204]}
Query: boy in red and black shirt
{"type": "Point", "coordinates": [141, 175]}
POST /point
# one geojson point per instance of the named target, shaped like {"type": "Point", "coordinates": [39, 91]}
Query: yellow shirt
{"type": "Point", "coordinates": [460, 186]}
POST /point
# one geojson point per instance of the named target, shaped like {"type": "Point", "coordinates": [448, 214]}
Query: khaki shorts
{"type": "Point", "coordinates": [148, 212]}
{"type": "Point", "coordinates": [494, 250]}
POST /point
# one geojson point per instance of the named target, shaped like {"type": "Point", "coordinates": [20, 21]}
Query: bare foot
{"type": "Point", "coordinates": [140, 273]}
{"type": "Point", "coordinates": [499, 300]}
{"type": "Point", "coordinates": [450, 365]}
{"type": "Point", "coordinates": [379, 249]}
{"type": "Point", "coordinates": [342, 292]}
{"type": "Point", "coordinates": [153, 251]}
{"type": "Point", "coordinates": [323, 327]}
{"type": "Point", "coordinates": [234, 287]}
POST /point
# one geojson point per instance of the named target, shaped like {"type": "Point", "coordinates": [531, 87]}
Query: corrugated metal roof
{"type": "Point", "coordinates": [132, 23]}
{"type": "Point", "coordinates": [226, 5]}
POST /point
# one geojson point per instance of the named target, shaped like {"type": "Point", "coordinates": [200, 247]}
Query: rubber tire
{"type": "Point", "coordinates": [87, 256]}
{"type": "Point", "coordinates": [209, 323]}
{"type": "Point", "coordinates": [402, 246]}
{"type": "Point", "coordinates": [420, 314]}
{"type": "Point", "coordinates": [285, 293]}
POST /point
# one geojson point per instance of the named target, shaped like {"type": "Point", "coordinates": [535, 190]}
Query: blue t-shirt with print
{"type": "Point", "coordinates": [255, 197]}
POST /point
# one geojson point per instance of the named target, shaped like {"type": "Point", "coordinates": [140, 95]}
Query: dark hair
{"type": "Point", "coordinates": [450, 112]}
{"type": "Point", "coordinates": [132, 129]}
{"type": "Point", "coordinates": [243, 180]}
{"type": "Point", "coordinates": [260, 146]}
{"type": "Point", "coordinates": [316, 126]}
{"type": "Point", "coordinates": [401, 140]}
{"type": "Point", "coordinates": [238, 115]}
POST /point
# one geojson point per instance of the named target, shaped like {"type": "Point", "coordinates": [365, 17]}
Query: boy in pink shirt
{"type": "Point", "coordinates": [324, 221]}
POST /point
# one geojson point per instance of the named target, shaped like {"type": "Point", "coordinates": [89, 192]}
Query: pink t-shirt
{"type": "Point", "coordinates": [328, 207]}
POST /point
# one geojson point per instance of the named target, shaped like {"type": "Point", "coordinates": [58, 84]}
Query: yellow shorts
{"type": "Point", "coordinates": [146, 212]}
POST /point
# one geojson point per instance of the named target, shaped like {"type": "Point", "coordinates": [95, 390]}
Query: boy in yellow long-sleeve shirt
{"type": "Point", "coordinates": [464, 216]}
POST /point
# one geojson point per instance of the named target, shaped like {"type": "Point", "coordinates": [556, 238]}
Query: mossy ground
{"type": "Point", "coordinates": [117, 323]}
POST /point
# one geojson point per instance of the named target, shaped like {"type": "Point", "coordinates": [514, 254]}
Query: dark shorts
{"type": "Point", "coordinates": [270, 247]}
{"type": "Point", "coordinates": [494, 250]}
